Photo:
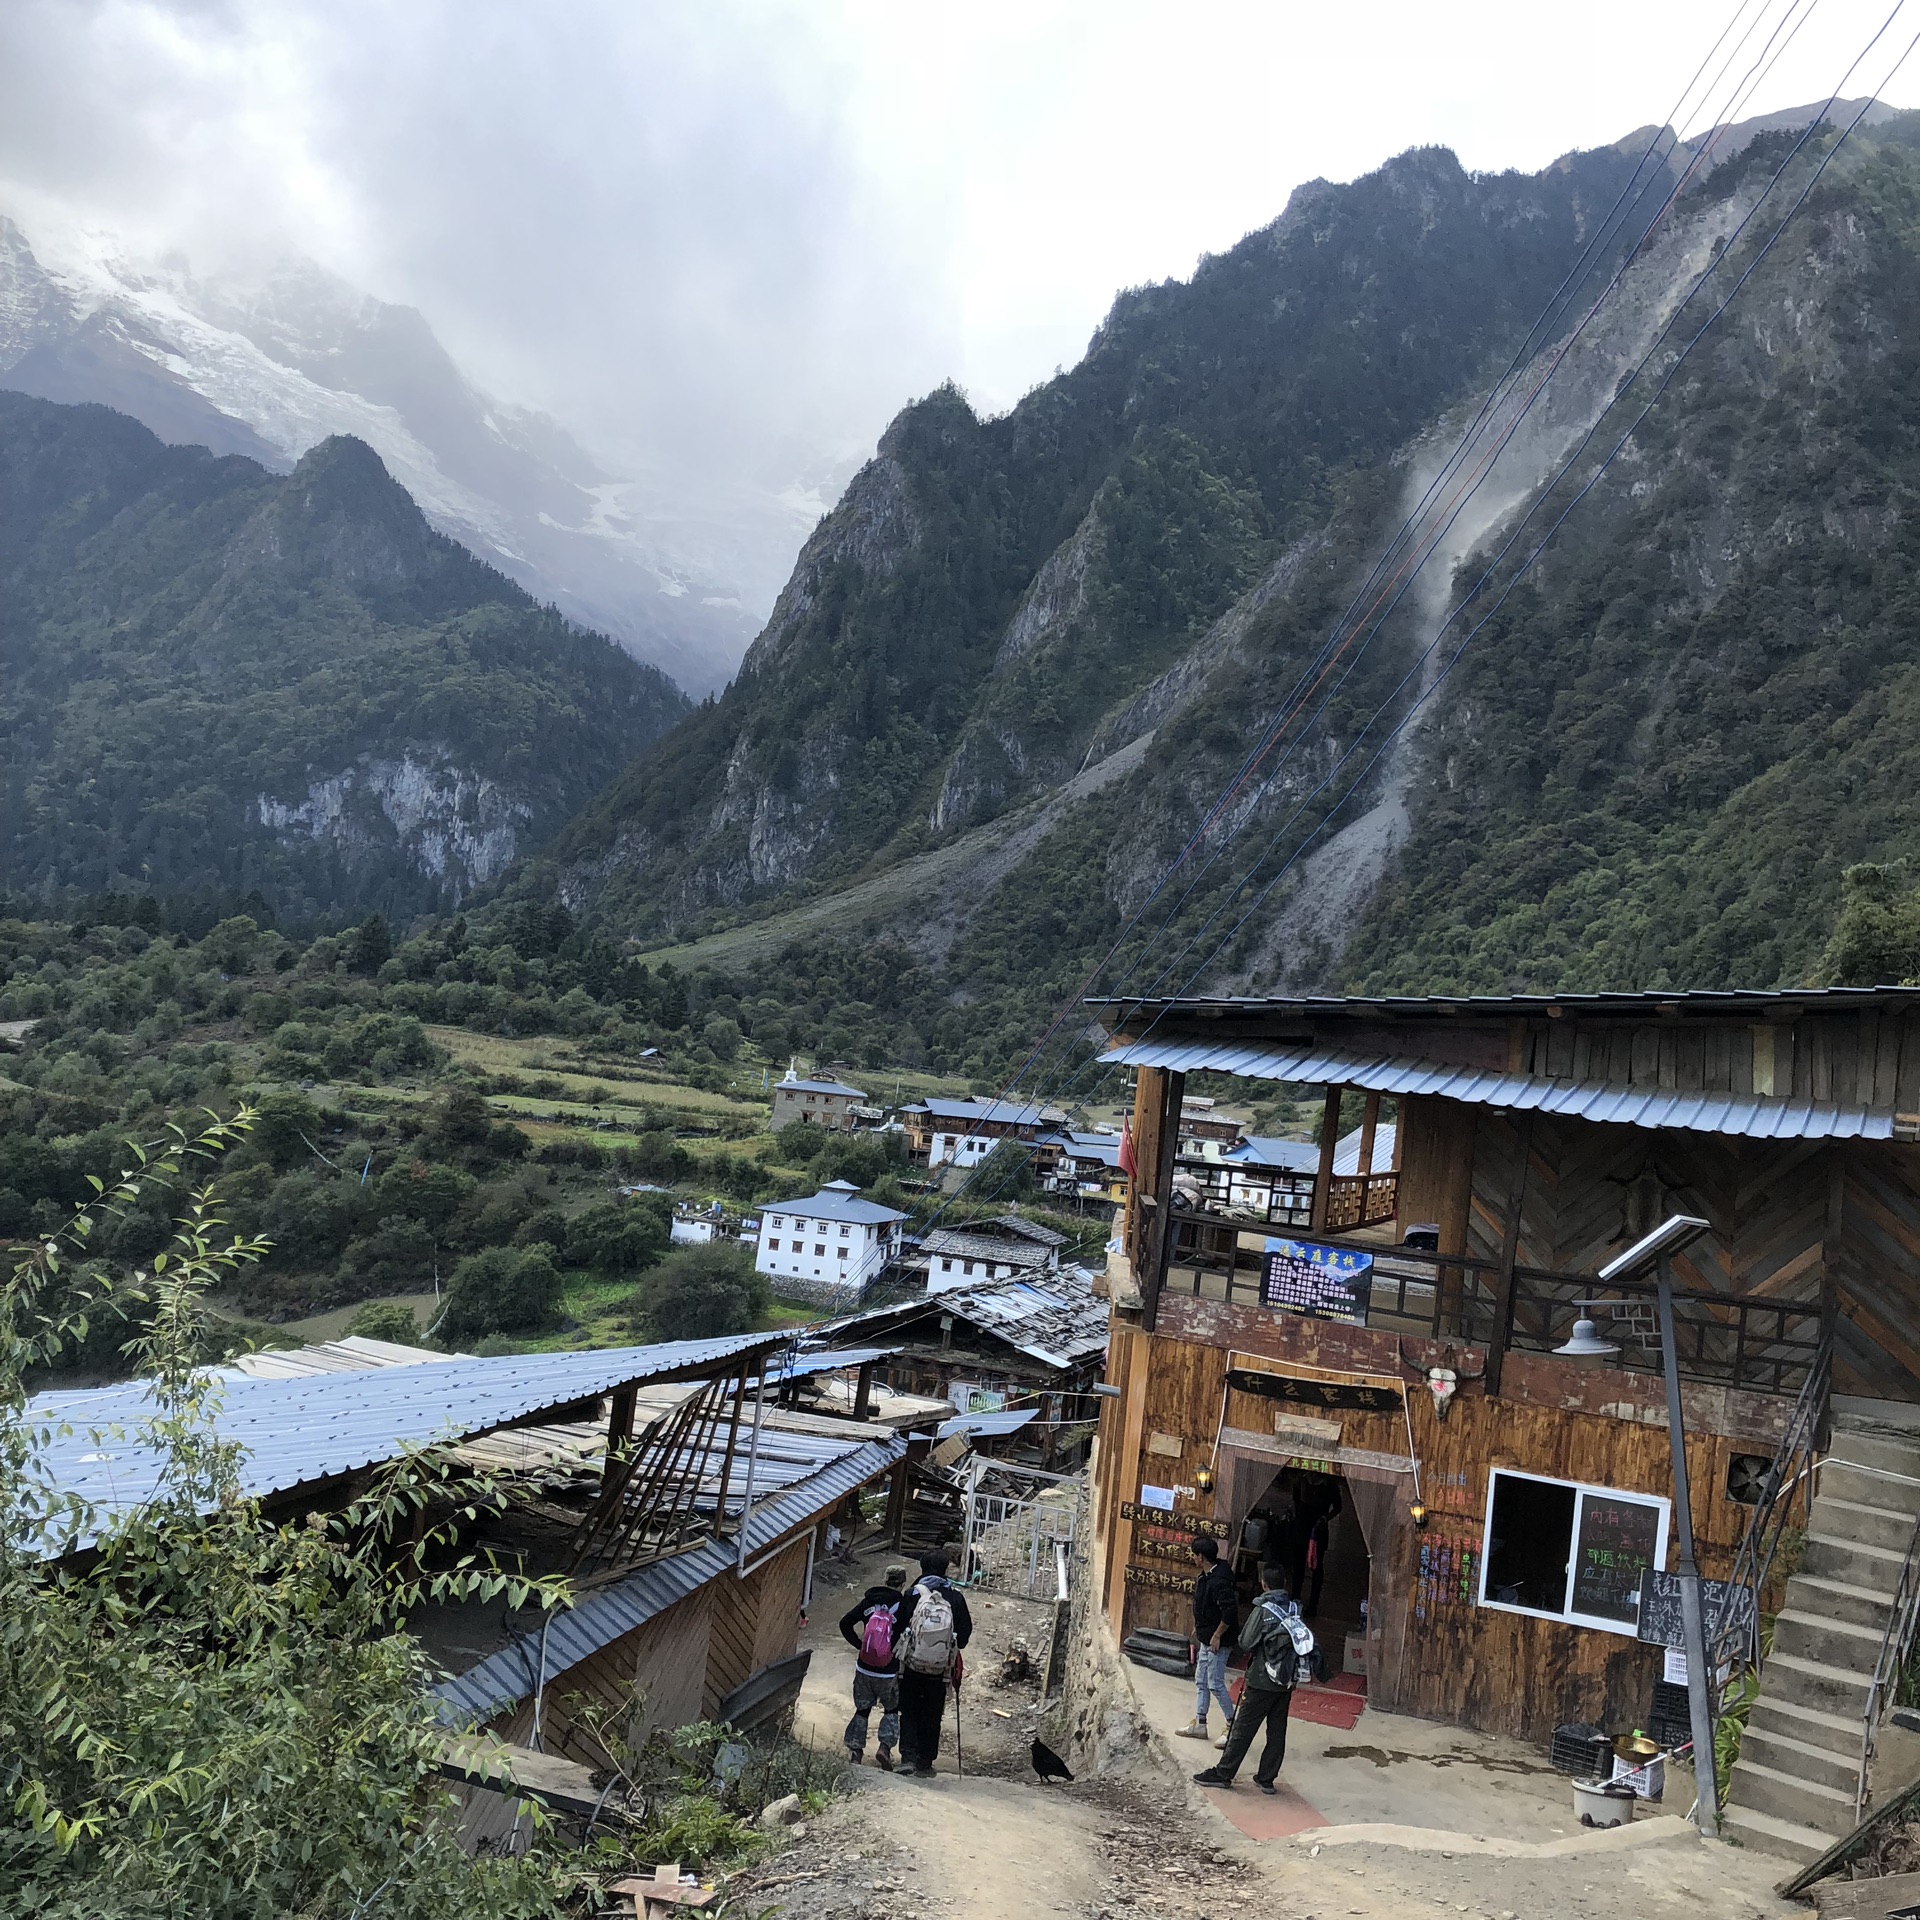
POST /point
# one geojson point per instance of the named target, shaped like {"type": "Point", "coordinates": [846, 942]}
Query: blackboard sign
{"type": "Point", "coordinates": [1660, 1624]}
{"type": "Point", "coordinates": [1617, 1542]}
{"type": "Point", "coordinates": [1324, 1283]}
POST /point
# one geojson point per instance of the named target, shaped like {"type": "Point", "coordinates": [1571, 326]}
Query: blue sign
{"type": "Point", "coordinates": [1324, 1283]}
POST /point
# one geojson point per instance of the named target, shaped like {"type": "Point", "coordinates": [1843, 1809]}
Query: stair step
{"type": "Point", "coordinates": [1834, 1643]}
{"type": "Point", "coordinates": [1785, 1839]}
{"type": "Point", "coordinates": [1853, 1561]}
{"type": "Point", "coordinates": [1819, 1766]}
{"type": "Point", "coordinates": [1900, 1492]}
{"type": "Point", "coordinates": [1839, 1600]}
{"type": "Point", "coordinates": [1853, 1412]}
{"type": "Point", "coordinates": [1764, 1789]}
{"type": "Point", "coordinates": [1895, 1455]}
{"type": "Point", "coordinates": [1814, 1726]}
{"type": "Point", "coordinates": [1813, 1683]}
{"type": "Point", "coordinates": [1862, 1523]}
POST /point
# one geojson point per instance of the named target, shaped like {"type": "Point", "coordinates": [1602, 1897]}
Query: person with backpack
{"type": "Point", "coordinates": [1280, 1649]}
{"type": "Point", "coordinates": [871, 1627]}
{"type": "Point", "coordinates": [934, 1626]}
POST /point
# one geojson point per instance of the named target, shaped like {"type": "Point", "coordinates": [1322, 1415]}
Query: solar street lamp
{"type": "Point", "coordinates": [1656, 1250]}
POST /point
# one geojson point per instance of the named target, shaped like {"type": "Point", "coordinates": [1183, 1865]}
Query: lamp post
{"type": "Point", "coordinates": [1656, 1250]}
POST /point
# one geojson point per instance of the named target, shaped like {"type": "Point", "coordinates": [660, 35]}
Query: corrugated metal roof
{"type": "Point", "coordinates": [1346, 1153]}
{"type": "Point", "coordinates": [1057, 1321]}
{"type": "Point", "coordinates": [985, 1423]}
{"type": "Point", "coordinates": [1739, 1003]}
{"type": "Point", "coordinates": [1266, 1150]}
{"type": "Point", "coordinates": [602, 1617]}
{"type": "Point", "coordinates": [829, 1360]}
{"type": "Point", "coordinates": [1723, 1113]}
{"type": "Point", "coordinates": [311, 1428]}
{"type": "Point", "coordinates": [1009, 1113]}
{"type": "Point", "coordinates": [818, 1086]}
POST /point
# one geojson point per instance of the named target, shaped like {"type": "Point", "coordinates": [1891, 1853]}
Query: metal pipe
{"type": "Point", "coordinates": [1693, 1624]}
{"type": "Point", "coordinates": [753, 1460]}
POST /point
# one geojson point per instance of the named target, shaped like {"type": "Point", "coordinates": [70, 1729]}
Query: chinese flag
{"type": "Point", "coordinates": [1126, 1148]}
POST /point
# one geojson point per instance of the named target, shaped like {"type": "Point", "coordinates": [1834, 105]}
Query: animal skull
{"type": "Point", "coordinates": [1443, 1383]}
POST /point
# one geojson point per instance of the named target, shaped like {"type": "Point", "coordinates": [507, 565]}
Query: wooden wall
{"type": "Point", "coordinates": [1783, 1213]}
{"type": "Point", "coordinates": [755, 1621]}
{"type": "Point", "coordinates": [1438, 1656]}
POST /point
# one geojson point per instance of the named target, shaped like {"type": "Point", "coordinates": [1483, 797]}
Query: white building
{"type": "Point", "coordinates": [990, 1250]}
{"type": "Point", "coordinates": [829, 1248]}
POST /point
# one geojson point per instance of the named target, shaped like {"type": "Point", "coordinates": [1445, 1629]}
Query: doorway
{"type": "Point", "coordinates": [1305, 1523]}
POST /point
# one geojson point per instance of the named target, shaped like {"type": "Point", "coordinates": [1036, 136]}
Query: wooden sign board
{"type": "Point", "coordinates": [1187, 1523]}
{"type": "Point", "coordinates": [1345, 1396]}
{"type": "Point", "coordinates": [1159, 1580]}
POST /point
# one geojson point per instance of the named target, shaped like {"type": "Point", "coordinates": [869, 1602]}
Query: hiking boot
{"type": "Point", "coordinates": [923, 1773]}
{"type": "Point", "coordinates": [884, 1759]}
{"type": "Point", "coordinates": [1193, 1730]}
{"type": "Point", "coordinates": [1213, 1777]}
{"type": "Point", "coordinates": [1266, 1786]}
{"type": "Point", "coordinates": [856, 1755]}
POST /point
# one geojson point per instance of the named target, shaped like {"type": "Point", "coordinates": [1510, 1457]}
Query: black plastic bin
{"type": "Point", "coordinates": [1583, 1751]}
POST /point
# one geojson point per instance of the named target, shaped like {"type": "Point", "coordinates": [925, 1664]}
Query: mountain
{"type": "Point", "coordinates": [214, 676]}
{"type": "Point", "coordinates": [1019, 661]}
{"type": "Point", "coordinates": [270, 364]}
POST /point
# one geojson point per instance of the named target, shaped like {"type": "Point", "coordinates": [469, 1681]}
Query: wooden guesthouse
{"type": "Point", "coordinates": [1397, 1361]}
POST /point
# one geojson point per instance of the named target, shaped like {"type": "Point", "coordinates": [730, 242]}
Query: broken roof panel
{"type": "Point", "coordinates": [1056, 1320]}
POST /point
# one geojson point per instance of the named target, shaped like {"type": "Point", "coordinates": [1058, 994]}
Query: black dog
{"type": "Point", "coordinates": [1048, 1764]}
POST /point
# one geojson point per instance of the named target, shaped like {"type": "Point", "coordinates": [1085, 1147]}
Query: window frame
{"type": "Point", "coordinates": [1581, 1489]}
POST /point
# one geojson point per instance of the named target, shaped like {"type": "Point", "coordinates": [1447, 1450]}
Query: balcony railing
{"type": "Point", "coordinates": [1757, 1344]}
{"type": "Point", "coordinates": [1361, 1200]}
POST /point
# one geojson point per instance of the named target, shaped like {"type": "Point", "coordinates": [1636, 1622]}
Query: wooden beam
{"type": "Point", "coordinates": [1509, 1252]}
{"type": "Point", "coordinates": [1369, 1125]}
{"type": "Point", "coordinates": [863, 1392]}
{"type": "Point", "coordinates": [1323, 1177]}
{"type": "Point", "coordinates": [619, 1433]}
{"type": "Point", "coordinates": [1156, 1134]}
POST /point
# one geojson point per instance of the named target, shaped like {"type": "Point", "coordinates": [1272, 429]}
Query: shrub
{"type": "Point", "coordinates": [502, 1290]}
{"type": "Point", "coordinates": [702, 1293]}
{"type": "Point", "coordinates": [387, 1320]}
{"type": "Point", "coordinates": [616, 1238]}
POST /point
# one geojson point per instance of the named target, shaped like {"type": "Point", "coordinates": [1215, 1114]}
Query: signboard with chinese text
{"type": "Point", "coordinates": [1323, 1283]}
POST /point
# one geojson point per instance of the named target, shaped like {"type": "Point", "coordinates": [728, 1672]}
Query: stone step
{"type": "Point", "coordinates": [1852, 1412]}
{"type": "Point", "coordinates": [1785, 1753]}
{"type": "Point", "coordinates": [1880, 1450]}
{"type": "Point", "coordinates": [1784, 1839]}
{"type": "Point", "coordinates": [1834, 1643]}
{"type": "Point", "coordinates": [1764, 1789]}
{"type": "Point", "coordinates": [1813, 1726]}
{"type": "Point", "coordinates": [1853, 1561]}
{"type": "Point", "coordinates": [1813, 1683]}
{"type": "Point", "coordinates": [1863, 1524]}
{"type": "Point", "coordinates": [1838, 1600]}
{"type": "Point", "coordinates": [1841, 1478]}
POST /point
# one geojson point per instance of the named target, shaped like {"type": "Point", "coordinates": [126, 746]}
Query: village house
{"type": "Point", "coordinates": [1081, 1166]}
{"type": "Point", "coordinates": [829, 1248]}
{"type": "Point", "coordinates": [1423, 1360]}
{"type": "Point", "coordinates": [990, 1250]}
{"type": "Point", "coordinates": [820, 1103]}
{"type": "Point", "coordinates": [962, 1133]}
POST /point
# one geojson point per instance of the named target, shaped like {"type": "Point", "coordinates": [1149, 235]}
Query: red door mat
{"type": "Point", "coordinates": [1338, 1702]}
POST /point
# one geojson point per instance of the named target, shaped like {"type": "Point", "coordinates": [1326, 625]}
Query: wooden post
{"type": "Point", "coordinates": [863, 1392]}
{"type": "Point", "coordinates": [918, 1446]}
{"type": "Point", "coordinates": [1323, 1178]}
{"type": "Point", "coordinates": [1156, 1141]}
{"type": "Point", "coordinates": [1369, 1125]}
{"type": "Point", "coordinates": [619, 1432]}
{"type": "Point", "coordinates": [1509, 1252]}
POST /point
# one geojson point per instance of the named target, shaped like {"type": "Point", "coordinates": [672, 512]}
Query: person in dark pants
{"type": "Point", "coordinates": [1275, 1639]}
{"type": "Point", "coordinates": [934, 1626]}
{"type": "Point", "coordinates": [878, 1684]}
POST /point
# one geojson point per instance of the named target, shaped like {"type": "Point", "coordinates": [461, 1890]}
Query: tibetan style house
{"type": "Point", "coordinates": [1388, 1367]}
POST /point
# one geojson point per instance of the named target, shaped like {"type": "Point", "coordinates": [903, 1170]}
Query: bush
{"type": "Point", "coordinates": [387, 1320]}
{"type": "Point", "coordinates": [703, 1293]}
{"type": "Point", "coordinates": [502, 1290]}
{"type": "Point", "coordinates": [616, 1238]}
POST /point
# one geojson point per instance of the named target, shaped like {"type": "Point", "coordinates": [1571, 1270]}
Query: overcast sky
{"type": "Point", "coordinates": [738, 236]}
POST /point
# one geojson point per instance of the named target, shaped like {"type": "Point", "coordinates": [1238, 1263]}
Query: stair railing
{"type": "Point", "coordinates": [1736, 1645]}
{"type": "Point", "coordinates": [1895, 1645]}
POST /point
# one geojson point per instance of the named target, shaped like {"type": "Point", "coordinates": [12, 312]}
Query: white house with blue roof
{"type": "Point", "coordinates": [829, 1248]}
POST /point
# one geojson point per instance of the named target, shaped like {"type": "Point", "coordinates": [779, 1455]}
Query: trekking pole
{"type": "Point", "coordinates": [959, 1752]}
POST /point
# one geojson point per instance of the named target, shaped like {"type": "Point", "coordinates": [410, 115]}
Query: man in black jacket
{"type": "Point", "coordinates": [923, 1686]}
{"type": "Point", "coordinates": [877, 1685]}
{"type": "Point", "coordinates": [1216, 1619]}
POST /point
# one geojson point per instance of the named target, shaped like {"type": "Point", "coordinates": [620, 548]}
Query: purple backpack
{"type": "Point", "coordinates": [876, 1643]}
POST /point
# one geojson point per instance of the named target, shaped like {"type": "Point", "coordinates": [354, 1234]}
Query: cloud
{"type": "Point", "coordinates": [724, 241]}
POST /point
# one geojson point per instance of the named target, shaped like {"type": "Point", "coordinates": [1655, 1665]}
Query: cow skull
{"type": "Point", "coordinates": [1443, 1383]}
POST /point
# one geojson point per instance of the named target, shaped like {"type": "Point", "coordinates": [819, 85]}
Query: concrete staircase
{"type": "Point", "coordinates": [1793, 1787]}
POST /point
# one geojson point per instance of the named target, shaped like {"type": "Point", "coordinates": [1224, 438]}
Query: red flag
{"type": "Point", "coordinates": [1126, 1148]}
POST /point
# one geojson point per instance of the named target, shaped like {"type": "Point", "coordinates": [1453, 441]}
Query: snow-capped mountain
{"type": "Point", "coordinates": [272, 364]}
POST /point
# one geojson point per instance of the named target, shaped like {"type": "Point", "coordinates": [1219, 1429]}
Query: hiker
{"type": "Point", "coordinates": [934, 1626]}
{"type": "Point", "coordinates": [871, 1627]}
{"type": "Point", "coordinates": [1216, 1618]}
{"type": "Point", "coordinates": [1280, 1649]}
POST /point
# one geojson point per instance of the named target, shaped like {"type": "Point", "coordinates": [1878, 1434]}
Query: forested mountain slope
{"type": "Point", "coordinates": [1651, 766]}
{"type": "Point", "coordinates": [212, 676]}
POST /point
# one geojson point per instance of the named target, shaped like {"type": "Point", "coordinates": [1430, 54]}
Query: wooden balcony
{"type": "Point", "coordinates": [1356, 1200]}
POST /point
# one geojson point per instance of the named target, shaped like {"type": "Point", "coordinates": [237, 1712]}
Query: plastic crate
{"type": "Point", "coordinates": [1583, 1751]}
{"type": "Point", "coordinates": [1670, 1718]}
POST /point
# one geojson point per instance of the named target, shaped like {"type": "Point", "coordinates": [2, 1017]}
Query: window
{"type": "Point", "coordinates": [946, 1266]}
{"type": "Point", "coordinates": [969, 1266]}
{"type": "Point", "coordinates": [1563, 1551]}
{"type": "Point", "coordinates": [841, 1251]}
{"type": "Point", "coordinates": [843, 1233]}
{"type": "Point", "coordinates": [773, 1246]}
{"type": "Point", "coordinates": [819, 1253]}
